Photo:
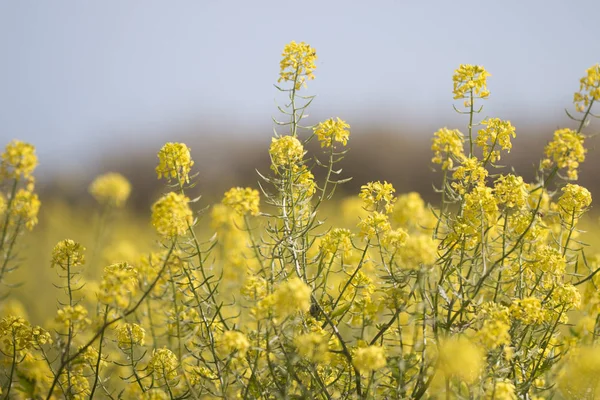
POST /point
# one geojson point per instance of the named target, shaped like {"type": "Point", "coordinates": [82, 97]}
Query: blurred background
{"type": "Point", "coordinates": [99, 86]}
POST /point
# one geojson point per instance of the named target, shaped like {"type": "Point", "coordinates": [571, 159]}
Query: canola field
{"type": "Point", "coordinates": [283, 291]}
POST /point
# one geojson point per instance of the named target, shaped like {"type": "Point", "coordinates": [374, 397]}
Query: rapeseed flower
{"type": "Point", "coordinates": [234, 342]}
{"type": "Point", "coordinates": [378, 196]}
{"type": "Point", "coordinates": [470, 79]}
{"type": "Point", "coordinates": [460, 358]}
{"type": "Point", "coordinates": [573, 202]}
{"type": "Point", "coordinates": [112, 189]}
{"type": "Point", "coordinates": [447, 145]}
{"type": "Point", "coordinates": [497, 133]}
{"type": "Point", "coordinates": [175, 162]}
{"type": "Point", "coordinates": [565, 151]}
{"type": "Point", "coordinates": [332, 131]}
{"type": "Point", "coordinates": [171, 215]}
{"type": "Point", "coordinates": [18, 160]}
{"type": "Point", "coordinates": [242, 200]}
{"type": "Point", "coordinates": [68, 253]}
{"type": "Point", "coordinates": [369, 359]}
{"type": "Point", "coordinates": [26, 206]}
{"type": "Point", "coordinates": [589, 88]}
{"type": "Point", "coordinates": [163, 364]}
{"type": "Point", "coordinates": [285, 151]}
{"type": "Point", "coordinates": [297, 64]}
{"type": "Point", "coordinates": [129, 335]}
{"type": "Point", "coordinates": [291, 296]}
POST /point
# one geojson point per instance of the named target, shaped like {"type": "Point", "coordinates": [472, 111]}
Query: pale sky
{"type": "Point", "coordinates": [75, 76]}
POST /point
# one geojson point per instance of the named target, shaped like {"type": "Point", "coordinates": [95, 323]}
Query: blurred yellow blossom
{"type": "Point", "coordinates": [18, 160]}
{"type": "Point", "coordinates": [242, 200]}
{"type": "Point", "coordinates": [369, 359]}
{"type": "Point", "coordinates": [171, 215]}
{"type": "Point", "coordinates": [112, 189]}
{"type": "Point", "coordinates": [291, 296]}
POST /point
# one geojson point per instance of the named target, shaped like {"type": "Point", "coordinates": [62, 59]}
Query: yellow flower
{"type": "Point", "coordinates": [297, 64]}
{"type": "Point", "coordinates": [312, 346]}
{"type": "Point", "coordinates": [292, 296]}
{"type": "Point", "coordinates": [112, 189]}
{"type": "Point", "coordinates": [528, 310]}
{"type": "Point", "coordinates": [369, 359]}
{"type": "Point", "coordinates": [336, 240]}
{"type": "Point", "coordinates": [242, 200]}
{"type": "Point", "coordinates": [163, 364]}
{"type": "Point", "coordinates": [470, 79]}
{"type": "Point", "coordinates": [573, 202]}
{"type": "Point", "coordinates": [332, 131]}
{"type": "Point", "coordinates": [255, 288]}
{"type": "Point", "coordinates": [565, 151]}
{"type": "Point", "coordinates": [129, 335]}
{"type": "Point", "coordinates": [68, 253]}
{"type": "Point", "coordinates": [171, 215]}
{"type": "Point", "coordinates": [548, 260]}
{"type": "Point", "coordinates": [26, 206]}
{"type": "Point", "coordinates": [18, 335]}
{"type": "Point", "coordinates": [234, 341]}
{"type": "Point", "coordinates": [511, 191]}
{"type": "Point", "coordinates": [18, 160]}
{"type": "Point", "coordinates": [73, 316]}
{"type": "Point", "coordinates": [119, 284]}
{"type": "Point", "coordinates": [496, 326]}
{"type": "Point", "coordinates": [461, 359]}
{"type": "Point", "coordinates": [376, 224]}
{"type": "Point", "coordinates": [589, 89]}
{"type": "Point", "coordinates": [579, 379]}
{"type": "Point", "coordinates": [500, 389]}
{"type": "Point", "coordinates": [378, 196]}
{"type": "Point", "coordinates": [447, 145]}
{"type": "Point", "coordinates": [497, 133]}
{"type": "Point", "coordinates": [470, 173]}
{"type": "Point", "coordinates": [174, 161]}
{"type": "Point", "coordinates": [285, 151]}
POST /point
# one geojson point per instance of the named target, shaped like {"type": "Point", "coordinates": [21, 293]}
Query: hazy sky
{"type": "Point", "coordinates": [76, 75]}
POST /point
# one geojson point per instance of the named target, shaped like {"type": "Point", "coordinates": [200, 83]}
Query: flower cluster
{"type": "Point", "coordinates": [470, 79]}
{"type": "Point", "coordinates": [297, 64]}
{"type": "Point", "coordinates": [112, 189]}
{"type": "Point", "coordinates": [171, 215]}
{"type": "Point", "coordinates": [175, 162]}
{"type": "Point", "coordinates": [589, 89]}
{"type": "Point", "coordinates": [18, 160]}
{"type": "Point", "coordinates": [378, 196]}
{"type": "Point", "coordinates": [496, 134]}
{"type": "Point", "coordinates": [565, 151]}
{"type": "Point", "coordinates": [242, 200]}
{"type": "Point", "coordinates": [332, 131]}
{"type": "Point", "coordinates": [285, 151]}
{"type": "Point", "coordinates": [447, 146]}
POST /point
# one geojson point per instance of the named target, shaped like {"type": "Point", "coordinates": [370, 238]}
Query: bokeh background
{"type": "Point", "coordinates": [99, 86]}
